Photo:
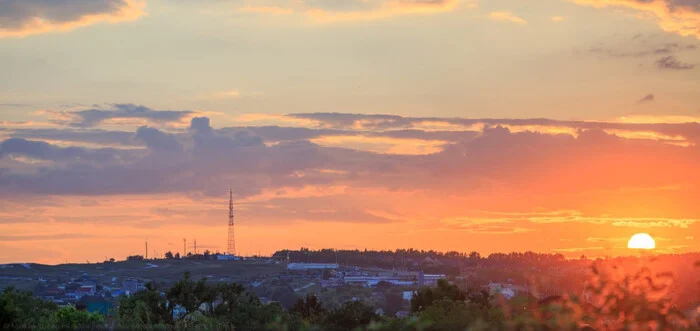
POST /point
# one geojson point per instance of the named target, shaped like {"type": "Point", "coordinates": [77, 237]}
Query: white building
{"type": "Point", "coordinates": [227, 257]}
{"type": "Point", "coordinates": [312, 266]}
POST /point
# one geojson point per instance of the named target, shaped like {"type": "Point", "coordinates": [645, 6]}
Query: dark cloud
{"type": "Point", "coordinates": [255, 160]}
{"type": "Point", "coordinates": [98, 137]}
{"type": "Point", "coordinates": [639, 48]}
{"type": "Point", "coordinates": [647, 98]}
{"type": "Point", "coordinates": [201, 125]}
{"type": "Point", "coordinates": [15, 105]}
{"type": "Point", "coordinates": [386, 125]}
{"type": "Point", "coordinates": [158, 141]}
{"type": "Point", "coordinates": [25, 17]}
{"type": "Point", "coordinates": [670, 62]}
{"type": "Point", "coordinates": [94, 117]}
{"type": "Point", "coordinates": [45, 151]}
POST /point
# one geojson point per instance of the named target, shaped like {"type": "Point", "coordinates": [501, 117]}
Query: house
{"type": "Point", "coordinates": [86, 290]}
{"type": "Point", "coordinates": [96, 304]}
{"type": "Point", "coordinates": [130, 286]}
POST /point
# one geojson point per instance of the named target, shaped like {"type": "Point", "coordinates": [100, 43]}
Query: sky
{"type": "Point", "coordinates": [558, 126]}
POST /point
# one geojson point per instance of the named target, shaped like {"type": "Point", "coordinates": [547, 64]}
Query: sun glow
{"type": "Point", "coordinates": [641, 241]}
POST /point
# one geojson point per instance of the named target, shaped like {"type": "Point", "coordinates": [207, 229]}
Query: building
{"type": "Point", "coordinates": [311, 266]}
{"type": "Point", "coordinates": [227, 257]}
{"type": "Point", "coordinates": [506, 291]}
{"type": "Point", "coordinates": [85, 290]}
{"type": "Point", "coordinates": [130, 286]}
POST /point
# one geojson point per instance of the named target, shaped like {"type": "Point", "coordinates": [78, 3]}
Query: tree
{"type": "Point", "coordinates": [177, 255]}
{"type": "Point", "coordinates": [21, 310]}
{"type": "Point", "coordinates": [350, 316]}
{"type": "Point", "coordinates": [425, 296]}
{"type": "Point", "coordinates": [145, 309]}
{"type": "Point", "coordinates": [169, 255]}
{"type": "Point", "coordinates": [394, 302]}
{"type": "Point", "coordinates": [309, 308]}
{"type": "Point", "coordinates": [69, 318]}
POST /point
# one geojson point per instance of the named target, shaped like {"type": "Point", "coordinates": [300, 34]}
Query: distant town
{"type": "Point", "coordinates": [387, 280]}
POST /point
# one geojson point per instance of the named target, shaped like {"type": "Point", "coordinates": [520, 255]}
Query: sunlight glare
{"type": "Point", "coordinates": [641, 241]}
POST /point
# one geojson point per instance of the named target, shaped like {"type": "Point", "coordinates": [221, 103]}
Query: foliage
{"type": "Point", "coordinates": [19, 310]}
{"type": "Point", "coordinates": [69, 318]}
{"type": "Point", "coordinates": [351, 315]}
{"type": "Point", "coordinates": [425, 296]}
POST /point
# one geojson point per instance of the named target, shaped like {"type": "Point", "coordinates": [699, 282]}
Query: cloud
{"type": "Point", "coordinates": [384, 145]}
{"type": "Point", "coordinates": [19, 18]}
{"type": "Point", "coordinates": [639, 46]}
{"type": "Point", "coordinates": [558, 18]}
{"type": "Point", "coordinates": [46, 237]}
{"type": "Point", "coordinates": [647, 98]}
{"type": "Point", "coordinates": [273, 10]}
{"type": "Point", "coordinates": [230, 94]}
{"type": "Point", "coordinates": [670, 62]}
{"type": "Point", "coordinates": [121, 113]}
{"type": "Point", "coordinates": [158, 141]}
{"type": "Point", "coordinates": [520, 179]}
{"type": "Point", "coordinates": [328, 11]}
{"type": "Point", "coordinates": [677, 16]}
{"type": "Point", "coordinates": [505, 16]}
{"type": "Point", "coordinates": [45, 151]}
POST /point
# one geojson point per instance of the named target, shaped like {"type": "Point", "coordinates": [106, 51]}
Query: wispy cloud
{"type": "Point", "coordinates": [273, 10]}
{"type": "Point", "coordinates": [646, 98]}
{"type": "Point", "coordinates": [506, 16]}
{"type": "Point", "coordinates": [558, 18]}
{"type": "Point", "coordinates": [681, 17]}
{"type": "Point", "coordinates": [670, 62]}
{"type": "Point", "coordinates": [356, 10]}
{"type": "Point", "coordinates": [230, 94]}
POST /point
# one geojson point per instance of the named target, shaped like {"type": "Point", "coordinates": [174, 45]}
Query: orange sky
{"type": "Point", "coordinates": [348, 181]}
{"type": "Point", "coordinates": [495, 126]}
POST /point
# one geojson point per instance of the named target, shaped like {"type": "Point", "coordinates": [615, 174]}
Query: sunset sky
{"type": "Point", "coordinates": [495, 125]}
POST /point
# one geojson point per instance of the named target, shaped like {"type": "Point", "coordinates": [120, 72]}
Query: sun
{"type": "Point", "coordinates": [641, 241]}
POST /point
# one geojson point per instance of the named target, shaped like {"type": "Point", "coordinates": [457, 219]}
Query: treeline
{"type": "Point", "coordinates": [449, 263]}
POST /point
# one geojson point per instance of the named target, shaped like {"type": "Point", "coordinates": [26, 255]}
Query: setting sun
{"type": "Point", "coordinates": [641, 241]}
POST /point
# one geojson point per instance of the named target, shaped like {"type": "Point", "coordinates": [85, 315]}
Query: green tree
{"type": "Point", "coordinates": [22, 310]}
{"type": "Point", "coordinates": [351, 315]}
{"type": "Point", "coordinates": [145, 309]}
{"type": "Point", "coordinates": [309, 308]}
{"type": "Point", "coordinates": [69, 318]}
{"type": "Point", "coordinates": [425, 296]}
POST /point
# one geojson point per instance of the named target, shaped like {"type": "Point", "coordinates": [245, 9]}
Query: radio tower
{"type": "Point", "coordinates": [231, 248]}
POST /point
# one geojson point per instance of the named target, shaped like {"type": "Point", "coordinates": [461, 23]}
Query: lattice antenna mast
{"type": "Point", "coordinates": [231, 247]}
